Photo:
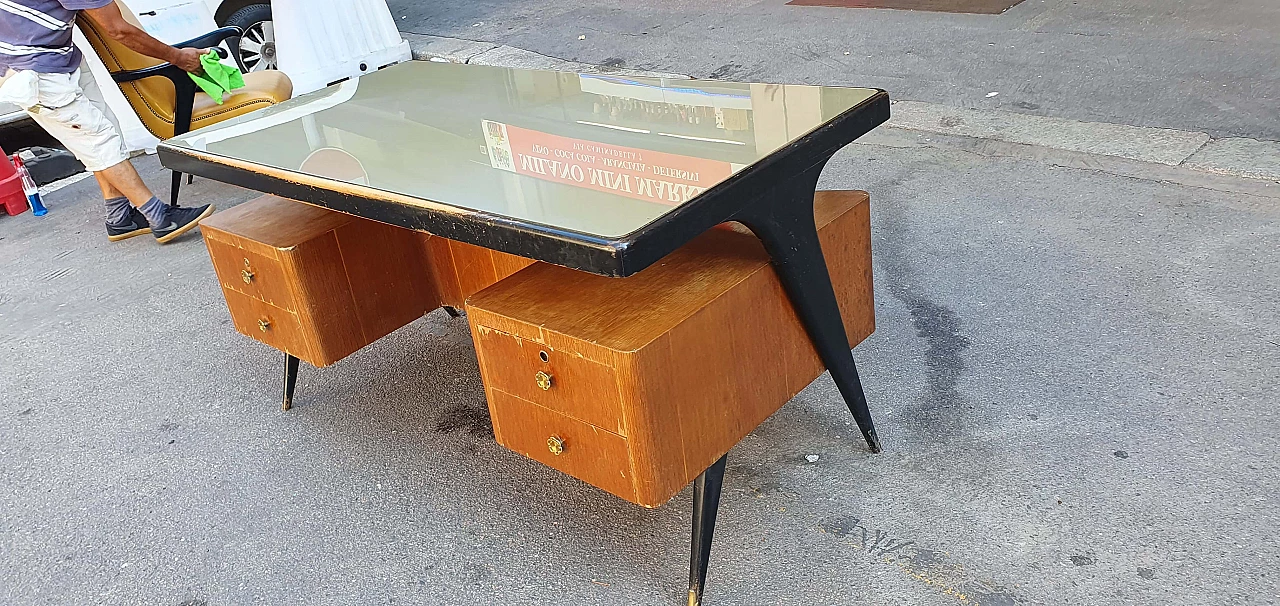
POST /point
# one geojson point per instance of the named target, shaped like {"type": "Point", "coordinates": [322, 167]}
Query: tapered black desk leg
{"type": "Point", "coordinates": [783, 220]}
{"type": "Point", "coordinates": [290, 380]}
{"type": "Point", "coordinates": [706, 501]}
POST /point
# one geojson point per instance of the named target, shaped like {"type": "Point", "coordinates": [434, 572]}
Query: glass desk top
{"type": "Point", "coordinates": [592, 154]}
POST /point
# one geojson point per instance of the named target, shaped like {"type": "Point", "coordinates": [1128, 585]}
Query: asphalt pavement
{"type": "Point", "coordinates": [1074, 376]}
{"type": "Point", "coordinates": [1194, 65]}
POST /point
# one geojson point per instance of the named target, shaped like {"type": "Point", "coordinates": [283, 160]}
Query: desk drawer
{"type": "Point", "coordinates": [575, 386]}
{"type": "Point", "coordinates": [591, 454]}
{"type": "Point", "coordinates": [267, 323]}
{"type": "Point", "coordinates": [257, 275]}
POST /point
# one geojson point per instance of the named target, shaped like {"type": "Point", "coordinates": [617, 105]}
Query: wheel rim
{"type": "Point", "coordinates": [258, 47]}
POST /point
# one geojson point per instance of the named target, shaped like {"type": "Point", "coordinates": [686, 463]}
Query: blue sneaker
{"type": "Point", "coordinates": [135, 225]}
{"type": "Point", "coordinates": [181, 220]}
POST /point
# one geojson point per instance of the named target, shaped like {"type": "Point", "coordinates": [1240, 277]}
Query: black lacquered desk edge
{"type": "Point", "coordinates": [614, 257]}
{"type": "Point", "coordinates": [772, 197]}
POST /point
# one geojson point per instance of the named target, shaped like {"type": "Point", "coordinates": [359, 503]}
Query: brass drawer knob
{"type": "Point", "coordinates": [263, 325]}
{"type": "Point", "coordinates": [246, 275]}
{"type": "Point", "coordinates": [555, 444]}
{"type": "Point", "coordinates": [543, 380]}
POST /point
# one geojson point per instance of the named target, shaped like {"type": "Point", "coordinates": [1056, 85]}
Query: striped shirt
{"type": "Point", "coordinates": [36, 34]}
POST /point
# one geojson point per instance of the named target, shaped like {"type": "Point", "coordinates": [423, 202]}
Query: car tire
{"type": "Point", "coordinates": [257, 49]}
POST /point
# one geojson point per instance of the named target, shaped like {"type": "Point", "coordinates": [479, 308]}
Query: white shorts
{"type": "Point", "coordinates": [72, 110]}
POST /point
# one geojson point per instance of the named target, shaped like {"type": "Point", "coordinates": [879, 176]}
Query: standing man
{"type": "Point", "coordinates": [43, 75]}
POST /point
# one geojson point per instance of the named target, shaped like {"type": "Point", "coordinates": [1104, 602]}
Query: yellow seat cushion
{"type": "Point", "coordinates": [261, 89]}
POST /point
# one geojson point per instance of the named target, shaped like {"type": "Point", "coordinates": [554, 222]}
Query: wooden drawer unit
{"type": "Point", "coordinates": [315, 283]}
{"type": "Point", "coordinates": [656, 376]}
{"type": "Point", "coordinates": [256, 273]}
{"type": "Point", "coordinates": [563, 381]}
{"type": "Point", "coordinates": [461, 270]}
{"type": "Point", "coordinates": [269, 324]}
{"type": "Point", "coordinates": [579, 449]}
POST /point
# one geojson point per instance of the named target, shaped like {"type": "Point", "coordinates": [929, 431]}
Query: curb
{"type": "Point", "coordinates": [1238, 157]}
{"type": "Point", "coordinates": [458, 50]}
{"type": "Point", "coordinates": [1155, 145]}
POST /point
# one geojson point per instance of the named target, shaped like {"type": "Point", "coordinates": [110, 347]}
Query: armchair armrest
{"type": "Point", "coordinates": [212, 39]}
{"type": "Point", "coordinates": [184, 87]}
{"type": "Point", "coordinates": [168, 70]}
{"type": "Point", "coordinates": [209, 40]}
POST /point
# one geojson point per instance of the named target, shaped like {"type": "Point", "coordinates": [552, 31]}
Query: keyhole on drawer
{"type": "Point", "coordinates": [544, 356]}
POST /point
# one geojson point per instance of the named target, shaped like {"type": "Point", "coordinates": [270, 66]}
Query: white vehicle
{"type": "Point", "coordinates": [253, 17]}
{"type": "Point", "coordinates": [258, 45]}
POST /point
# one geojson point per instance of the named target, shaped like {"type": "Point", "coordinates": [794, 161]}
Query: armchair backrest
{"type": "Point", "coordinates": [153, 99]}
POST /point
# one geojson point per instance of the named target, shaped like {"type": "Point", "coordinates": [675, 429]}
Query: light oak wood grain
{"type": "Point", "coordinates": [578, 387]}
{"type": "Point", "coordinates": [703, 346]}
{"type": "Point", "coordinates": [279, 328]}
{"type": "Point", "coordinates": [265, 279]}
{"type": "Point", "coordinates": [343, 281]}
{"type": "Point", "coordinates": [462, 269]}
{"type": "Point", "coordinates": [275, 222]}
{"type": "Point", "coordinates": [591, 454]}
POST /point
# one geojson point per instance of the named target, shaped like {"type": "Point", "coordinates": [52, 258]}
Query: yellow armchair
{"type": "Point", "coordinates": [165, 98]}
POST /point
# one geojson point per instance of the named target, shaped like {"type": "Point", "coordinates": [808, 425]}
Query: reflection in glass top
{"type": "Point", "coordinates": [597, 154]}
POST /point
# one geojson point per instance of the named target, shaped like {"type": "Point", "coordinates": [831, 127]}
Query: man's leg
{"type": "Point", "coordinates": [120, 183]}
{"type": "Point", "coordinates": [118, 208]}
{"type": "Point", "coordinates": [108, 192]}
{"type": "Point", "coordinates": [166, 222]}
{"type": "Point", "coordinates": [123, 180]}
{"type": "Point", "coordinates": [123, 221]}
{"type": "Point", "coordinates": [130, 206]}
{"type": "Point", "coordinates": [87, 128]}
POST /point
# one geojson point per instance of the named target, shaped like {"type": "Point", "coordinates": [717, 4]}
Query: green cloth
{"type": "Point", "coordinates": [217, 79]}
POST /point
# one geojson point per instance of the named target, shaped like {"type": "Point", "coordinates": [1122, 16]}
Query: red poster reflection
{"type": "Point", "coordinates": [636, 173]}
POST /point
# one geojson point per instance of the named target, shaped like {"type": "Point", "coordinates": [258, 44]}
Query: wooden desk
{"type": "Point", "coordinates": [591, 172]}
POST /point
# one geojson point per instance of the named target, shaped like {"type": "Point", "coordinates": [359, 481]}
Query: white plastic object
{"type": "Point", "coordinates": [319, 43]}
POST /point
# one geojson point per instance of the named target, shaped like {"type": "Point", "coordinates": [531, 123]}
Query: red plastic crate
{"type": "Point", "coordinates": [12, 198]}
